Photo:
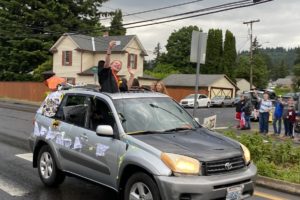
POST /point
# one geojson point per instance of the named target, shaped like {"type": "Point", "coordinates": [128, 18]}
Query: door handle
{"type": "Point", "coordinates": [84, 137]}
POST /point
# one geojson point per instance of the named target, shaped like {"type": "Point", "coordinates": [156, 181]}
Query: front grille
{"type": "Point", "coordinates": [223, 166]}
{"type": "Point", "coordinates": [184, 102]}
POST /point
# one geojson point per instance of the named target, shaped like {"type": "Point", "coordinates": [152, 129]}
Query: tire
{"type": "Point", "coordinates": [141, 183]}
{"type": "Point", "coordinates": [46, 162]}
{"type": "Point", "coordinates": [222, 105]}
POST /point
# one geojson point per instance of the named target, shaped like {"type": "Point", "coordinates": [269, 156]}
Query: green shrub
{"type": "Point", "coordinates": [280, 160]}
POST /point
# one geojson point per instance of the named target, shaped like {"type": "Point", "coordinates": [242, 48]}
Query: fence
{"type": "Point", "coordinates": [29, 91]}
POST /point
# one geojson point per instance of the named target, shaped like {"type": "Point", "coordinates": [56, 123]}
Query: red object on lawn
{"type": "Point", "coordinates": [54, 81]}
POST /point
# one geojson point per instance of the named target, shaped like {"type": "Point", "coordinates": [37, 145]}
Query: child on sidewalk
{"type": "Point", "coordinates": [289, 121]}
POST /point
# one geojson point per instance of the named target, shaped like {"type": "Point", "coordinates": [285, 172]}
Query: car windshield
{"type": "Point", "coordinates": [191, 96]}
{"type": "Point", "coordinates": [152, 115]}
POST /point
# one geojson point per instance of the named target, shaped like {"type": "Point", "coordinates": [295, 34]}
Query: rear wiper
{"type": "Point", "coordinates": [178, 129]}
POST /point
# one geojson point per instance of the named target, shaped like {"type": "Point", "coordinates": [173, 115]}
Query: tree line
{"type": "Point", "coordinates": [29, 28]}
{"type": "Point", "coordinates": [221, 58]}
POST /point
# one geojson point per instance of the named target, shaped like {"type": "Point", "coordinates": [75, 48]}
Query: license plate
{"type": "Point", "coordinates": [234, 193]}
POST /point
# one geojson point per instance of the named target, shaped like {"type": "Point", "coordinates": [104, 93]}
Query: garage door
{"type": "Point", "coordinates": [221, 92]}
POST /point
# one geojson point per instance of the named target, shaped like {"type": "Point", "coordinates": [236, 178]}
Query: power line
{"type": "Point", "coordinates": [192, 12]}
{"type": "Point", "coordinates": [157, 9]}
{"type": "Point", "coordinates": [193, 16]}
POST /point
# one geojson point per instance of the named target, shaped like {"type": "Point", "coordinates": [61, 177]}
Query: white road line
{"type": "Point", "coordinates": [11, 188]}
{"type": "Point", "coordinates": [26, 156]}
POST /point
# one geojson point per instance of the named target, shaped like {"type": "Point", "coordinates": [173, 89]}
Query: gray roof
{"type": "Point", "coordinates": [188, 80]}
{"type": "Point", "coordinates": [101, 43]}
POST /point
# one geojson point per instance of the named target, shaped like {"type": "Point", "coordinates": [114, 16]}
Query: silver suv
{"type": "Point", "coordinates": [142, 145]}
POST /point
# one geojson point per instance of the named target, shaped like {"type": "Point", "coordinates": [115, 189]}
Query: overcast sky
{"type": "Point", "coordinates": [279, 26]}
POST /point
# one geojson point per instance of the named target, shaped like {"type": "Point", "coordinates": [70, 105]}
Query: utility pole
{"type": "Point", "coordinates": [251, 49]}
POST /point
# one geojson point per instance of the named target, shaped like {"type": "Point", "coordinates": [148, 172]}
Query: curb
{"type": "Point", "coordinates": [18, 101]}
{"type": "Point", "coordinates": [279, 185]}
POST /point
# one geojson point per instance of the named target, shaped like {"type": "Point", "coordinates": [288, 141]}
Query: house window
{"type": "Point", "coordinates": [132, 61]}
{"type": "Point", "coordinates": [67, 58]}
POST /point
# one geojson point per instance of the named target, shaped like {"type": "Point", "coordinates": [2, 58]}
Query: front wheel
{"type": "Point", "coordinates": [49, 174]}
{"type": "Point", "coordinates": [141, 186]}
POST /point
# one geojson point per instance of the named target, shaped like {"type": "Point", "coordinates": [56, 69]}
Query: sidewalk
{"type": "Point", "coordinates": [255, 129]}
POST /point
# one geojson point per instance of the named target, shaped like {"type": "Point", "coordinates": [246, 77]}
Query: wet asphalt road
{"type": "Point", "coordinates": [19, 181]}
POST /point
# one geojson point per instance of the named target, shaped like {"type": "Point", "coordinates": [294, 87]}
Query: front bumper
{"type": "Point", "coordinates": [187, 104]}
{"type": "Point", "coordinates": [206, 187]}
{"type": "Point", "coordinates": [216, 103]}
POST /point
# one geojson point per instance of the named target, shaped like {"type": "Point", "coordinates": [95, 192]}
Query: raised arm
{"type": "Point", "coordinates": [108, 53]}
{"type": "Point", "coordinates": [131, 77]}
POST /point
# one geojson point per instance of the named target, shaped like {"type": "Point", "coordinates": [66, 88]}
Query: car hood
{"type": "Point", "coordinates": [200, 144]}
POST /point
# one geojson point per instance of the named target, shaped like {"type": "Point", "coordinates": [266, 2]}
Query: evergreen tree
{"type": "Point", "coordinates": [29, 28]}
{"type": "Point", "coordinates": [157, 53]}
{"type": "Point", "coordinates": [179, 49]}
{"type": "Point", "coordinates": [260, 71]}
{"type": "Point", "coordinates": [116, 25]}
{"type": "Point", "coordinates": [214, 52]}
{"type": "Point", "coordinates": [229, 55]}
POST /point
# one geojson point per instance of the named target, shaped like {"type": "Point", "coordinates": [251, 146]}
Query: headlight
{"type": "Point", "coordinates": [181, 164]}
{"type": "Point", "coordinates": [246, 151]}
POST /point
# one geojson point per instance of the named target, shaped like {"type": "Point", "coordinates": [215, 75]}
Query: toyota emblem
{"type": "Point", "coordinates": [228, 166]}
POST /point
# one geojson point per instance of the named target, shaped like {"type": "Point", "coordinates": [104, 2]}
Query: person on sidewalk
{"type": "Point", "coordinates": [247, 111]}
{"type": "Point", "coordinates": [238, 110]}
{"type": "Point", "coordinates": [277, 118]}
{"type": "Point", "coordinates": [290, 121]}
{"type": "Point", "coordinates": [286, 105]}
{"type": "Point", "coordinates": [264, 112]}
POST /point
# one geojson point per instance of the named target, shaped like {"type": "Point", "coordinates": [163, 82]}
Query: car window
{"type": "Point", "coordinates": [73, 110]}
{"type": "Point", "coordinates": [99, 114]}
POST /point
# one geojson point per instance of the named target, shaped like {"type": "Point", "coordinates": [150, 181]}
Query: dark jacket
{"type": "Point", "coordinates": [239, 105]}
{"type": "Point", "coordinates": [247, 108]}
{"type": "Point", "coordinates": [291, 115]}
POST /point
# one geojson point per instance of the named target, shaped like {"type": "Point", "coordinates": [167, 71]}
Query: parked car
{"type": "Point", "coordinates": [142, 145]}
{"type": "Point", "coordinates": [222, 101]}
{"type": "Point", "coordinates": [202, 101]}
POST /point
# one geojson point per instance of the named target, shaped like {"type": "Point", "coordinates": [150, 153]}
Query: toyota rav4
{"type": "Point", "coordinates": [141, 144]}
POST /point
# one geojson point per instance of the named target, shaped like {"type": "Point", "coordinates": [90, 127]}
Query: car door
{"type": "Point", "coordinates": [200, 101]}
{"type": "Point", "coordinates": [99, 154]}
{"type": "Point", "coordinates": [71, 114]}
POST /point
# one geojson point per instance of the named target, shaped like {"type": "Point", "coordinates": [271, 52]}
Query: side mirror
{"type": "Point", "coordinates": [104, 130]}
{"type": "Point", "coordinates": [197, 120]}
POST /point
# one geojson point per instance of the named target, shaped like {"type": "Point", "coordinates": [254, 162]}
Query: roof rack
{"type": "Point", "coordinates": [88, 87]}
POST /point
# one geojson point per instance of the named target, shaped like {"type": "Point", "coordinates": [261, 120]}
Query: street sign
{"type": "Point", "coordinates": [198, 54]}
{"type": "Point", "coordinates": [198, 47]}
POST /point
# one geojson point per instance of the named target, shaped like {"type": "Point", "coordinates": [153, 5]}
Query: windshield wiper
{"type": "Point", "coordinates": [178, 129]}
{"type": "Point", "coordinates": [143, 132]}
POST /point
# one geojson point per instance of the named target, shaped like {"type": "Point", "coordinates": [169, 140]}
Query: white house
{"type": "Point", "coordinates": [75, 57]}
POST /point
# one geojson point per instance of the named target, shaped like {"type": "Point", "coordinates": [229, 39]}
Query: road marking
{"type": "Point", "coordinates": [268, 196]}
{"type": "Point", "coordinates": [11, 188]}
{"type": "Point", "coordinates": [26, 156]}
